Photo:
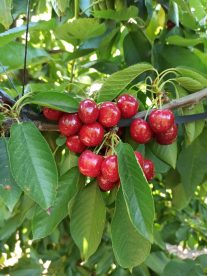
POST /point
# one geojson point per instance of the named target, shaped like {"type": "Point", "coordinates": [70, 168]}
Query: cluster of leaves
{"type": "Point", "coordinates": [42, 194]}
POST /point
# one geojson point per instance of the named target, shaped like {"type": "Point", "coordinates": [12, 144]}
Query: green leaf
{"type": "Point", "coordinates": [136, 191]}
{"type": "Point", "coordinates": [33, 164]}
{"type": "Point", "coordinates": [114, 85]}
{"type": "Point", "coordinates": [189, 83]}
{"type": "Point", "coordinates": [43, 223]}
{"type": "Point", "coordinates": [122, 15]}
{"type": "Point", "coordinates": [157, 261]}
{"type": "Point", "coordinates": [182, 41]}
{"type": "Point", "coordinates": [88, 220]}
{"type": "Point", "coordinates": [167, 153]}
{"type": "Point", "coordinates": [5, 13]}
{"type": "Point", "coordinates": [192, 163]}
{"type": "Point", "coordinates": [130, 248]}
{"type": "Point", "coordinates": [9, 191]}
{"type": "Point", "coordinates": [186, 72]}
{"type": "Point", "coordinates": [60, 101]}
{"type": "Point", "coordinates": [60, 6]}
{"type": "Point", "coordinates": [180, 197]}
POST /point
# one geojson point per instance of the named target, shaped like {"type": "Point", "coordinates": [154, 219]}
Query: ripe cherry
{"type": "Point", "coordinates": [148, 169]}
{"type": "Point", "coordinates": [51, 114]}
{"type": "Point", "coordinates": [109, 114]}
{"type": "Point", "coordinates": [91, 135]}
{"type": "Point", "coordinates": [139, 158]}
{"type": "Point", "coordinates": [88, 111]}
{"type": "Point", "coordinates": [104, 184]}
{"type": "Point", "coordinates": [74, 144]}
{"type": "Point", "coordinates": [69, 124]}
{"type": "Point", "coordinates": [128, 105]}
{"type": "Point", "coordinates": [140, 131]}
{"type": "Point", "coordinates": [89, 163]}
{"type": "Point", "coordinates": [161, 120]}
{"type": "Point", "coordinates": [109, 168]}
{"type": "Point", "coordinates": [168, 137]}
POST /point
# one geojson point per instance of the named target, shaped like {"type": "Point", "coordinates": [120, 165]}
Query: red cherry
{"type": "Point", "coordinates": [170, 25]}
{"type": "Point", "coordinates": [51, 114]}
{"type": "Point", "coordinates": [109, 168]}
{"type": "Point", "coordinates": [104, 184]}
{"type": "Point", "coordinates": [128, 105]}
{"type": "Point", "coordinates": [139, 158]}
{"type": "Point", "coordinates": [140, 131]}
{"type": "Point", "coordinates": [109, 114]}
{"type": "Point", "coordinates": [69, 124]}
{"type": "Point", "coordinates": [89, 163]}
{"type": "Point", "coordinates": [91, 135]}
{"type": "Point", "coordinates": [168, 137]}
{"type": "Point", "coordinates": [148, 169]}
{"type": "Point", "coordinates": [88, 111]}
{"type": "Point", "coordinates": [74, 144]}
{"type": "Point", "coordinates": [161, 120]}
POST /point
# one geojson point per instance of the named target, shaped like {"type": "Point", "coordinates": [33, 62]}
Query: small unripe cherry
{"type": "Point", "coordinates": [91, 135]}
{"type": "Point", "coordinates": [51, 114]}
{"type": "Point", "coordinates": [167, 137]}
{"type": "Point", "coordinates": [104, 184]}
{"type": "Point", "coordinates": [89, 163]}
{"type": "Point", "coordinates": [69, 124]}
{"type": "Point", "coordinates": [109, 114]}
{"type": "Point", "coordinates": [161, 120]}
{"type": "Point", "coordinates": [109, 168]}
{"type": "Point", "coordinates": [74, 144]}
{"type": "Point", "coordinates": [128, 105]}
{"type": "Point", "coordinates": [88, 111]}
{"type": "Point", "coordinates": [148, 169]}
{"type": "Point", "coordinates": [140, 158]}
{"type": "Point", "coordinates": [140, 131]}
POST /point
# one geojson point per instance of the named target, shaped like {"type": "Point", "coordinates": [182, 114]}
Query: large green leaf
{"type": "Point", "coordinates": [136, 191]}
{"type": "Point", "coordinates": [43, 223]}
{"type": "Point", "coordinates": [60, 6]}
{"type": "Point", "coordinates": [122, 15]}
{"type": "Point", "coordinates": [88, 220]}
{"type": "Point", "coordinates": [180, 197]}
{"type": "Point", "coordinates": [167, 153]}
{"type": "Point", "coordinates": [33, 164]}
{"type": "Point", "coordinates": [192, 163]}
{"type": "Point", "coordinates": [114, 85]}
{"type": "Point", "coordinates": [56, 100]}
{"type": "Point", "coordinates": [186, 72]}
{"type": "Point", "coordinates": [181, 41]}
{"type": "Point", "coordinates": [189, 83]}
{"type": "Point", "coordinates": [9, 191]}
{"type": "Point", "coordinates": [130, 248]}
{"type": "Point", "coordinates": [5, 13]}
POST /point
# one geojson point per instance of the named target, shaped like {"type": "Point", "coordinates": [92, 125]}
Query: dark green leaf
{"type": "Point", "coordinates": [43, 223]}
{"type": "Point", "coordinates": [114, 85]}
{"type": "Point", "coordinates": [157, 261]}
{"type": "Point", "coordinates": [181, 41]}
{"type": "Point", "coordinates": [130, 248]}
{"type": "Point", "coordinates": [136, 191]}
{"type": "Point", "coordinates": [180, 197]}
{"type": "Point", "coordinates": [88, 220]}
{"type": "Point", "coordinates": [33, 164]}
{"type": "Point", "coordinates": [122, 15]}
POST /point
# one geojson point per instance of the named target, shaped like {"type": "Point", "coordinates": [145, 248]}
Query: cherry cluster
{"type": "Point", "coordinates": [95, 126]}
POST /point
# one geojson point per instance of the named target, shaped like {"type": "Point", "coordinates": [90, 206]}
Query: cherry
{"type": "Point", "coordinates": [128, 105]}
{"type": "Point", "coordinates": [109, 114]}
{"type": "Point", "coordinates": [140, 131]}
{"type": "Point", "coordinates": [89, 163]}
{"type": "Point", "coordinates": [51, 114]}
{"type": "Point", "coordinates": [74, 144]}
{"type": "Point", "coordinates": [148, 169]}
{"type": "Point", "coordinates": [168, 137]}
{"type": "Point", "coordinates": [88, 111]}
{"type": "Point", "coordinates": [91, 135]}
{"type": "Point", "coordinates": [139, 158]}
{"type": "Point", "coordinates": [109, 168]}
{"type": "Point", "coordinates": [170, 24]}
{"type": "Point", "coordinates": [69, 124]}
{"type": "Point", "coordinates": [104, 184]}
{"type": "Point", "coordinates": [161, 120]}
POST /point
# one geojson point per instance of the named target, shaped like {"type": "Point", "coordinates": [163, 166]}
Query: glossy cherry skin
{"type": "Point", "coordinates": [128, 105]}
{"type": "Point", "coordinates": [104, 184]}
{"type": "Point", "coordinates": [109, 114]}
{"type": "Point", "coordinates": [51, 114]}
{"type": "Point", "coordinates": [89, 163]}
{"type": "Point", "coordinates": [140, 131]}
{"type": "Point", "coordinates": [161, 120]}
{"type": "Point", "coordinates": [92, 135]}
{"type": "Point", "coordinates": [148, 169]}
{"type": "Point", "coordinates": [168, 137]}
{"type": "Point", "coordinates": [74, 144]}
{"type": "Point", "coordinates": [88, 111]}
{"type": "Point", "coordinates": [139, 158]}
{"type": "Point", "coordinates": [69, 124]}
{"type": "Point", "coordinates": [109, 168]}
